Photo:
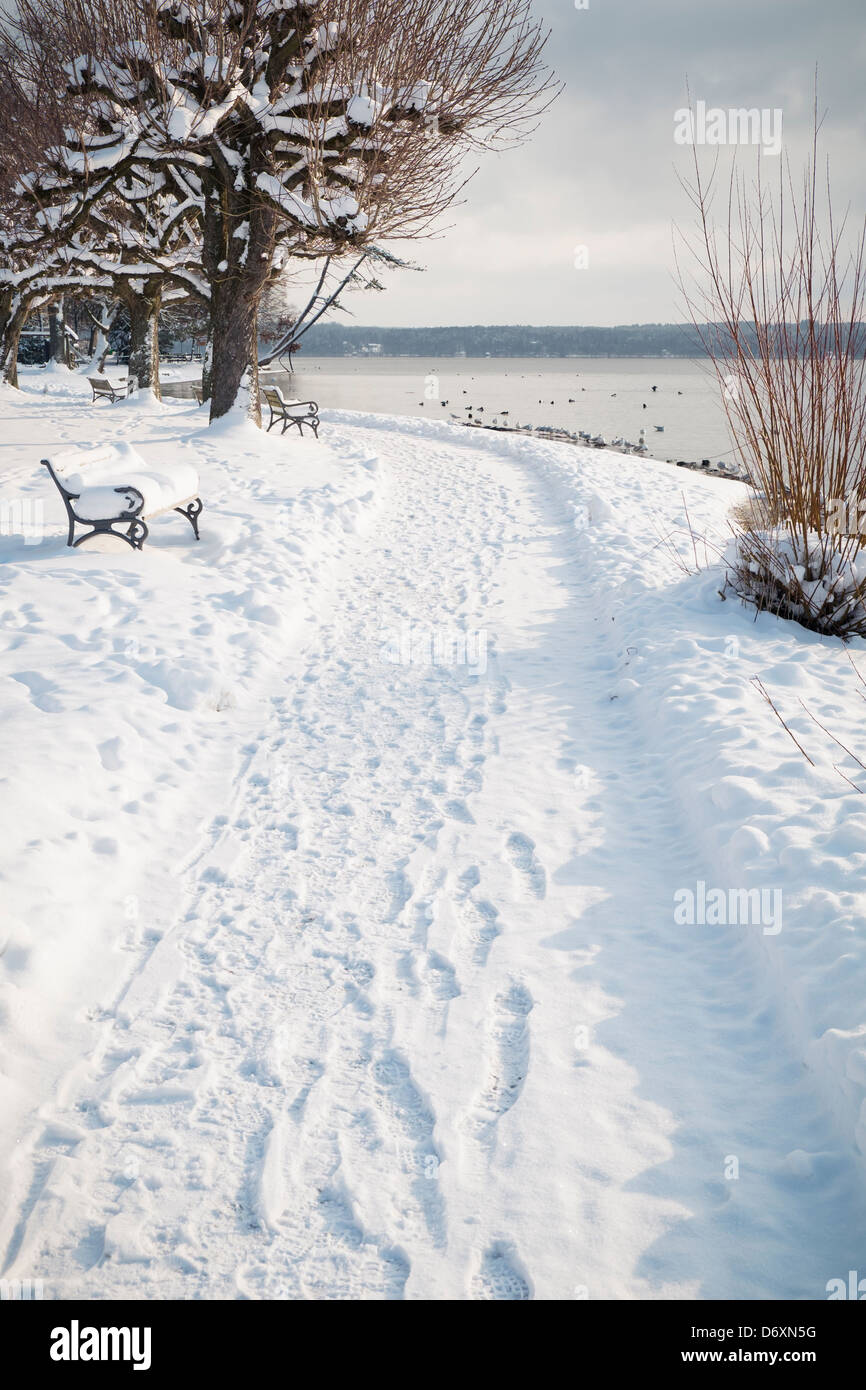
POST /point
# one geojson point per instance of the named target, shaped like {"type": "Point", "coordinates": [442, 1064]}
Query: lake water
{"type": "Point", "coordinates": [608, 396]}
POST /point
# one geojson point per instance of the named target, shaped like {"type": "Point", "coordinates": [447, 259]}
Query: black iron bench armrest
{"type": "Point", "coordinates": [129, 516]}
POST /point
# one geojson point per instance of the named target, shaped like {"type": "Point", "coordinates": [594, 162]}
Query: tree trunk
{"type": "Point", "coordinates": [144, 339]}
{"type": "Point", "coordinates": [56, 334]}
{"type": "Point", "coordinates": [237, 269]}
{"type": "Point", "coordinates": [10, 367]}
{"type": "Point", "coordinates": [207, 370]}
{"type": "Point", "coordinates": [235, 348]}
{"type": "Point", "coordinates": [100, 345]}
{"type": "Point", "coordinates": [5, 335]}
{"type": "Point", "coordinates": [14, 323]}
{"type": "Point", "coordinates": [99, 350]}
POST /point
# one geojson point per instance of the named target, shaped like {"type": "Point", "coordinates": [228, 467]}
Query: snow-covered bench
{"type": "Point", "coordinates": [103, 390]}
{"type": "Point", "coordinates": [298, 413]}
{"type": "Point", "coordinates": [112, 486]}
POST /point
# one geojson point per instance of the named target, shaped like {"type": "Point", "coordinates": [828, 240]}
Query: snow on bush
{"type": "Point", "coordinates": [816, 580]}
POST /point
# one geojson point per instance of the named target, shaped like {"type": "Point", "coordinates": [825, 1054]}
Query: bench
{"type": "Point", "coordinates": [103, 390]}
{"type": "Point", "coordinates": [113, 486]}
{"type": "Point", "coordinates": [298, 413]}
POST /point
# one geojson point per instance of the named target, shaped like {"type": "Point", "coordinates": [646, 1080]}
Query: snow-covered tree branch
{"type": "Point", "coordinates": [289, 130]}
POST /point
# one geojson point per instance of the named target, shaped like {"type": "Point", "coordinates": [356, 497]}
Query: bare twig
{"type": "Point", "coordinates": [765, 695]}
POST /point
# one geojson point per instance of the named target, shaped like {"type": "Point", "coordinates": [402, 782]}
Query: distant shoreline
{"type": "Point", "coordinates": [517, 356]}
{"type": "Point", "coordinates": [676, 341]}
{"type": "Point", "coordinates": [544, 341]}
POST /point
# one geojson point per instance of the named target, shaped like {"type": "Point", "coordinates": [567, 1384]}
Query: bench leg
{"type": "Point", "coordinates": [135, 534]}
{"type": "Point", "coordinates": [192, 514]}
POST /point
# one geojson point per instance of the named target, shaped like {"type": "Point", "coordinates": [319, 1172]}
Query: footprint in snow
{"type": "Point", "coordinates": [508, 1061]}
{"type": "Point", "coordinates": [521, 851]}
{"type": "Point", "coordinates": [498, 1277]}
{"type": "Point", "coordinates": [442, 978]}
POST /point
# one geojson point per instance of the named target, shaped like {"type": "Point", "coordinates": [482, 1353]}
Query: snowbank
{"type": "Point", "coordinates": [128, 682]}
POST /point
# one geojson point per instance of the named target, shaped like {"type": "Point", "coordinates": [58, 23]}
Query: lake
{"type": "Point", "coordinates": [609, 396]}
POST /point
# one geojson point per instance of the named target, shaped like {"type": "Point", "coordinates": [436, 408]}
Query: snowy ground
{"type": "Point", "coordinates": [329, 975]}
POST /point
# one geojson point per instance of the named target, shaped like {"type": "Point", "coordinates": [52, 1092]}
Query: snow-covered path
{"type": "Point", "coordinates": [424, 1026]}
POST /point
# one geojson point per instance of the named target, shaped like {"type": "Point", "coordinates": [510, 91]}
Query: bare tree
{"type": "Point", "coordinates": [305, 130]}
{"type": "Point", "coordinates": [35, 269]}
{"type": "Point", "coordinates": [780, 306]}
{"type": "Point", "coordinates": [66, 225]}
{"type": "Point", "coordinates": [334, 279]}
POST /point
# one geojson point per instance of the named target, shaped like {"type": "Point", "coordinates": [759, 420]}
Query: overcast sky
{"type": "Point", "coordinates": [601, 171]}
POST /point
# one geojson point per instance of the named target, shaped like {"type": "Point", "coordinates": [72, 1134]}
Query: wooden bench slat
{"type": "Point", "coordinates": [101, 386]}
{"type": "Point", "coordinates": [282, 410]}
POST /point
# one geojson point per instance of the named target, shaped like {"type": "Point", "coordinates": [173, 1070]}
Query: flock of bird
{"type": "Point", "coordinates": [474, 414]}
{"type": "Point", "coordinates": [502, 421]}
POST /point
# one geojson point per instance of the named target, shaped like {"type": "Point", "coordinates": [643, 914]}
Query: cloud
{"type": "Point", "coordinates": [602, 169]}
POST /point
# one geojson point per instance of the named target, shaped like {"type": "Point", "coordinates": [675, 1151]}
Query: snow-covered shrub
{"type": "Point", "coordinates": [817, 580]}
{"type": "Point", "coordinates": [780, 309]}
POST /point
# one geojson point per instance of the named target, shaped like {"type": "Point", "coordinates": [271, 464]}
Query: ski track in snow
{"type": "Point", "coordinates": [433, 930]}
